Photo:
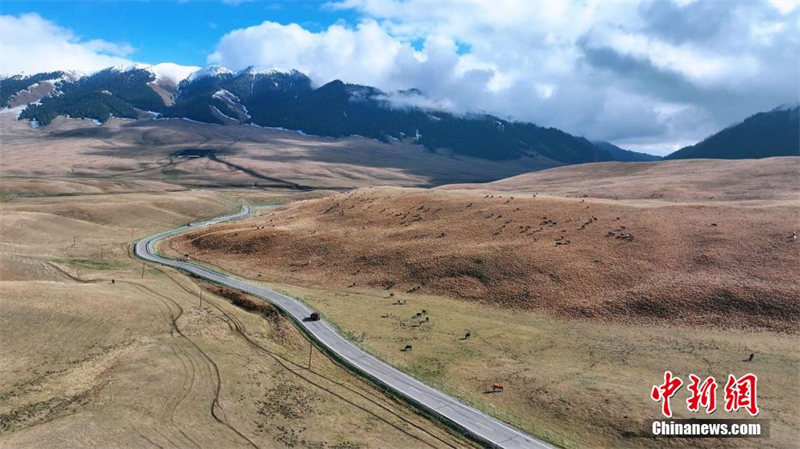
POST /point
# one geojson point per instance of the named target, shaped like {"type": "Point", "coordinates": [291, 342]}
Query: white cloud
{"type": "Point", "coordinates": [785, 6]}
{"type": "Point", "coordinates": [648, 74]}
{"type": "Point", "coordinates": [364, 54]}
{"type": "Point", "coordinates": [694, 64]}
{"type": "Point", "coordinates": [32, 44]}
{"type": "Point", "coordinates": [651, 73]}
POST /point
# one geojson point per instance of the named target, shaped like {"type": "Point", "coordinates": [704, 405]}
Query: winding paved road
{"type": "Point", "coordinates": [470, 420]}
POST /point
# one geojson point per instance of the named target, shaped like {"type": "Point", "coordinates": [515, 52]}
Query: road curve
{"type": "Point", "coordinates": [479, 425]}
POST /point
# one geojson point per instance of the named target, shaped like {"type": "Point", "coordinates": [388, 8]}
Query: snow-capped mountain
{"type": "Point", "coordinates": [211, 71]}
{"type": "Point", "coordinates": [285, 99]}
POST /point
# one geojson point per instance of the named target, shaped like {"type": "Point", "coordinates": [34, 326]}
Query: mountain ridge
{"type": "Point", "coordinates": [765, 134]}
{"type": "Point", "coordinates": [289, 100]}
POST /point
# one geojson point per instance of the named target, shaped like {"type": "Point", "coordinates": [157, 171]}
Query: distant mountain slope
{"type": "Point", "coordinates": [623, 155]}
{"type": "Point", "coordinates": [288, 100]}
{"type": "Point", "coordinates": [721, 180]}
{"type": "Point", "coordinates": [766, 134]}
{"type": "Point", "coordinates": [338, 109]}
{"type": "Point", "coordinates": [99, 96]}
{"type": "Point", "coordinates": [14, 86]}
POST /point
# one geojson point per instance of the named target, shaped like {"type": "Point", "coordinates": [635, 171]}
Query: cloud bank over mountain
{"type": "Point", "coordinates": [651, 75]}
{"type": "Point", "coordinates": [33, 44]}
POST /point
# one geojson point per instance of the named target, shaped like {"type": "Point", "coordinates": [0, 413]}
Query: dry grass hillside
{"type": "Point", "coordinates": [100, 351]}
{"type": "Point", "coordinates": [577, 305]}
{"type": "Point", "coordinates": [716, 264]}
{"type": "Point", "coordinates": [696, 180]}
{"type": "Point", "coordinates": [142, 149]}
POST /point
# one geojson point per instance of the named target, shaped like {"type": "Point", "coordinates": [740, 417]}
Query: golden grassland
{"type": "Point", "coordinates": [577, 383]}
{"type": "Point", "coordinates": [693, 180]}
{"type": "Point", "coordinates": [248, 155]}
{"type": "Point", "coordinates": [707, 265]}
{"type": "Point", "coordinates": [576, 305]}
{"type": "Point", "coordinates": [139, 362]}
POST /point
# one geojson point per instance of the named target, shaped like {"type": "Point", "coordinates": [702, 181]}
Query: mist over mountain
{"type": "Point", "coordinates": [270, 98]}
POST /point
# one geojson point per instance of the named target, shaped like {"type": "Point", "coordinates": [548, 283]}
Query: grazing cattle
{"type": "Point", "coordinates": [496, 388]}
{"type": "Point", "coordinates": [112, 281]}
{"type": "Point", "coordinates": [407, 348]}
{"type": "Point", "coordinates": [467, 335]}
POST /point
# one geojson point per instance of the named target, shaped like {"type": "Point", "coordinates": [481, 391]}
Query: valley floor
{"type": "Point", "coordinates": [100, 350]}
{"type": "Point", "coordinates": [574, 318]}
{"type": "Point", "coordinates": [576, 296]}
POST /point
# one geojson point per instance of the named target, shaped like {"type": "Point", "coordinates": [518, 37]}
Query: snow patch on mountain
{"type": "Point", "coordinates": [253, 70]}
{"type": "Point", "coordinates": [210, 71]}
{"type": "Point", "coordinates": [123, 68]}
{"type": "Point", "coordinates": [225, 95]}
{"type": "Point", "coordinates": [231, 100]}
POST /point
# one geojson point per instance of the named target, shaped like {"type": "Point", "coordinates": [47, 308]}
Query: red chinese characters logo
{"type": "Point", "coordinates": [665, 391]}
{"type": "Point", "coordinates": [704, 394]}
{"type": "Point", "coordinates": [740, 393]}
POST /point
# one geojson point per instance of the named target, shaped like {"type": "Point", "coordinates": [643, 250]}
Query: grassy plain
{"type": "Point", "coordinates": [576, 304]}
{"type": "Point", "coordinates": [578, 383]}
{"type": "Point", "coordinates": [247, 156]}
{"type": "Point", "coordinates": [138, 362]}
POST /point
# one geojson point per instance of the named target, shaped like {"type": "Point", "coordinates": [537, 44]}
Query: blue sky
{"type": "Point", "coordinates": [648, 75]}
{"type": "Point", "coordinates": [180, 32]}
